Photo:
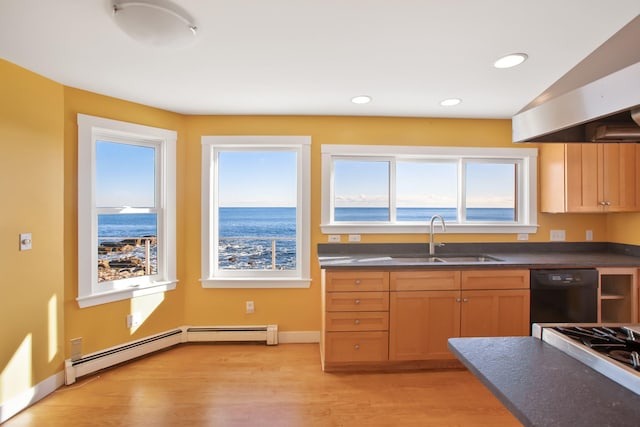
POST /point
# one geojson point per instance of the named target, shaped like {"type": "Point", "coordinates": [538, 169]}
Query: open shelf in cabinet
{"type": "Point", "coordinates": [617, 295]}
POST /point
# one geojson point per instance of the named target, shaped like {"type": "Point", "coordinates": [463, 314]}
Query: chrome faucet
{"type": "Point", "coordinates": [432, 245]}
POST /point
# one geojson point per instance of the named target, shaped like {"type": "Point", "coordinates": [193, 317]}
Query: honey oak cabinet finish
{"type": "Point", "coordinates": [589, 177]}
{"type": "Point", "coordinates": [355, 317]}
{"type": "Point", "coordinates": [480, 303]}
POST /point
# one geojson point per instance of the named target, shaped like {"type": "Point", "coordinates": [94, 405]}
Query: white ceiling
{"type": "Point", "coordinates": [310, 57]}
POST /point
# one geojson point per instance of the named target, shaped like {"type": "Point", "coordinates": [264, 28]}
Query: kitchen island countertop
{"type": "Point", "coordinates": [542, 386]}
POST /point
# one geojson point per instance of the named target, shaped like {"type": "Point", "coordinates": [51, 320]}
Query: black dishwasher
{"type": "Point", "coordinates": [564, 296]}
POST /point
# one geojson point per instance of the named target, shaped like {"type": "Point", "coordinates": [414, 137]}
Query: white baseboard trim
{"type": "Point", "coordinates": [28, 397]}
{"type": "Point", "coordinates": [299, 337]}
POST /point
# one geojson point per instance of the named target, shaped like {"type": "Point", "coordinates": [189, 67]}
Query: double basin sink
{"type": "Point", "coordinates": [433, 259]}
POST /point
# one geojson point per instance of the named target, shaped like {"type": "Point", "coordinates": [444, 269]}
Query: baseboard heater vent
{"type": "Point", "coordinates": [267, 334]}
{"type": "Point", "coordinates": [96, 361]}
{"type": "Point", "coordinates": [104, 359]}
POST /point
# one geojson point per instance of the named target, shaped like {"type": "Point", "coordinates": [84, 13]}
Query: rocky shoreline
{"type": "Point", "coordinates": [125, 258]}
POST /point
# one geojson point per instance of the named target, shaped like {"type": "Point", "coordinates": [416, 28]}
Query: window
{"type": "Point", "coordinates": [255, 211]}
{"type": "Point", "coordinates": [391, 189]}
{"type": "Point", "coordinates": [126, 210]}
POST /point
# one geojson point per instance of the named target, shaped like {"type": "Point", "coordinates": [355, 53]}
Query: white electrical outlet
{"type": "Point", "coordinates": [589, 235]}
{"type": "Point", "coordinates": [134, 320]}
{"type": "Point", "coordinates": [557, 235]}
{"type": "Point", "coordinates": [523, 236]}
{"type": "Point", "coordinates": [250, 307]}
{"type": "Point", "coordinates": [76, 348]}
{"type": "Point", "coordinates": [334, 238]}
{"type": "Point", "coordinates": [354, 237]}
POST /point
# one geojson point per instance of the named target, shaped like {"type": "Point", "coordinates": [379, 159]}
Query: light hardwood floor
{"type": "Point", "coordinates": [256, 385]}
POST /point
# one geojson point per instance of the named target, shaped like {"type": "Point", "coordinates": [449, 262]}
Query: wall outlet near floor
{"type": "Point", "coordinates": [250, 307]}
{"type": "Point", "coordinates": [334, 238]}
{"type": "Point", "coordinates": [354, 237]}
{"type": "Point", "coordinates": [76, 349]}
{"type": "Point", "coordinates": [134, 320]}
{"type": "Point", "coordinates": [589, 235]}
{"type": "Point", "coordinates": [557, 235]}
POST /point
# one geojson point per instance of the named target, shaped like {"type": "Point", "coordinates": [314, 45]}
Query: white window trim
{"type": "Point", "coordinates": [250, 279]}
{"type": "Point", "coordinates": [527, 187]}
{"type": "Point", "coordinates": [91, 129]}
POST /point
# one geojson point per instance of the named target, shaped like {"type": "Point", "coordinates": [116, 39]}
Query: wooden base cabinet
{"type": "Point", "coordinates": [618, 295]}
{"type": "Point", "coordinates": [355, 317]}
{"type": "Point", "coordinates": [468, 304]}
{"type": "Point", "coordinates": [495, 313]}
{"type": "Point", "coordinates": [385, 319]}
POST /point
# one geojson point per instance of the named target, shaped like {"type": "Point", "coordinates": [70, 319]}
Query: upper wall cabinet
{"type": "Point", "coordinates": [589, 177]}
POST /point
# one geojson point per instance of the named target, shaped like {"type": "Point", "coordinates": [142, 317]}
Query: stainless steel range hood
{"type": "Point", "coordinates": [596, 101]}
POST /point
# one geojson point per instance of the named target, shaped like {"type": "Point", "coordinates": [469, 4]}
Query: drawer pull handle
{"type": "Point", "coordinates": [357, 281]}
{"type": "Point", "coordinates": [357, 321]}
{"type": "Point", "coordinates": [357, 301]}
{"type": "Point", "coordinates": [465, 299]}
{"type": "Point", "coordinates": [357, 346]}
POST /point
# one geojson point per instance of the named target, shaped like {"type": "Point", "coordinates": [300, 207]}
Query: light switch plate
{"type": "Point", "coordinates": [354, 237]}
{"type": "Point", "coordinates": [557, 235]}
{"type": "Point", "coordinates": [25, 241]}
{"type": "Point", "coordinates": [334, 238]}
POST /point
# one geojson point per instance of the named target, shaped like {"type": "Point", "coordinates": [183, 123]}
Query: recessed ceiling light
{"type": "Point", "coordinates": [362, 99]}
{"type": "Point", "coordinates": [511, 60]}
{"type": "Point", "coordinates": [450, 102]}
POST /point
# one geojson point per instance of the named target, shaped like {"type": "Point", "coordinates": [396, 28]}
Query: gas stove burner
{"type": "Point", "coordinates": [622, 356]}
{"type": "Point", "coordinates": [631, 358]}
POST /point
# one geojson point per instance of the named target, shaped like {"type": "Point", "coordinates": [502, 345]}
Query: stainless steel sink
{"type": "Point", "coordinates": [468, 258]}
{"type": "Point", "coordinates": [417, 260]}
{"type": "Point", "coordinates": [445, 258]}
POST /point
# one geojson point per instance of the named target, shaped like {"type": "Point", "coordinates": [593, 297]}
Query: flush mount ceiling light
{"type": "Point", "coordinates": [362, 99]}
{"type": "Point", "coordinates": [155, 22]}
{"type": "Point", "coordinates": [511, 60]}
{"type": "Point", "coordinates": [450, 102]}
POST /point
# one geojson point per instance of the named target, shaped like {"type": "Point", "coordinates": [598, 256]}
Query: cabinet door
{"type": "Point", "coordinates": [420, 323]}
{"type": "Point", "coordinates": [495, 279]}
{"type": "Point", "coordinates": [583, 178]}
{"type": "Point", "coordinates": [619, 177]}
{"type": "Point", "coordinates": [496, 313]}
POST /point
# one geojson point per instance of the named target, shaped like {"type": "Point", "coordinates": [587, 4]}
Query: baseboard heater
{"type": "Point", "coordinates": [268, 334]}
{"type": "Point", "coordinates": [104, 359]}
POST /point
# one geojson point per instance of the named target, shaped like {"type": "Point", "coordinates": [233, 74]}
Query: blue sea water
{"type": "Point", "coordinates": [247, 236]}
{"type": "Point", "coordinates": [423, 214]}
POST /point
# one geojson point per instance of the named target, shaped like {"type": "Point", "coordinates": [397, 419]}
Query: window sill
{"type": "Point", "coordinates": [124, 294]}
{"type": "Point", "coordinates": [227, 283]}
{"type": "Point", "coordinates": [424, 228]}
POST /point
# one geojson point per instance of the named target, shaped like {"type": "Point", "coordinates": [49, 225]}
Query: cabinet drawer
{"type": "Point", "coordinates": [495, 279]}
{"type": "Point", "coordinates": [357, 321]}
{"type": "Point", "coordinates": [425, 280]}
{"type": "Point", "coordinates": [345, 281]}
{"type": "Point", "coordinates": [357, 301]}
{"type": "Point", "coordinates": [356, 346]}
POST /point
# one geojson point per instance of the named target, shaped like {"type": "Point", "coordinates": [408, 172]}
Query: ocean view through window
{"type": "Point", "coordinates": [255, 211]}
{"type": "Point", "coordinates": [126, 210]}
{"type": "Point", "coordinates": [397, 189]}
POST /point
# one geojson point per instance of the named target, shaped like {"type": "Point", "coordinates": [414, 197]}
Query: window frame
{"type": "Point", "coordinates": [92, 129]}
{"type": "Point", "coordinates": [212, 277]}
{"type": "Point", "coordinates": [526, 184]}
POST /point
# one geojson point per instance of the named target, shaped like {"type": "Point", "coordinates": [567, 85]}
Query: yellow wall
{"type": "Point", "coordinates": [105, 325]}
{"type": "Point", "coordinates": [31, 185]}
{"type": "Point", "coordinates": [624, 228]}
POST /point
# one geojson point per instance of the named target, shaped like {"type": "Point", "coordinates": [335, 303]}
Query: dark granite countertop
{"type": "Point", "coordinates": [542, 386]}
{"type": "Point", "coordinates": [507, 255]}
